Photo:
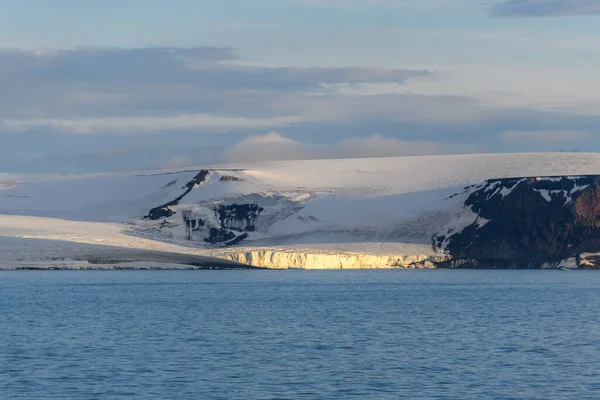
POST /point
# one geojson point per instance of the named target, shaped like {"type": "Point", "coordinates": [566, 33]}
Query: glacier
{"type": "Point", "coordinates": [398, 212]}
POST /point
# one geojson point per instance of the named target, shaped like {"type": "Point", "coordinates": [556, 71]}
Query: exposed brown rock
{"type": "Point", "coordinates": [587, 205]}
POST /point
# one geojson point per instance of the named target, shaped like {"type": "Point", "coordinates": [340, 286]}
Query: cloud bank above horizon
{"type": "Point", "coordinates": [313, 80]}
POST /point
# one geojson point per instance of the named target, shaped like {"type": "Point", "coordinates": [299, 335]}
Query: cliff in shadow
{"type": "Point", "coordinates": [528, 223]}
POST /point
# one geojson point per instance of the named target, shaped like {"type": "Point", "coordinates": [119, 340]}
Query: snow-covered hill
{"type": "Point", "coordinates": [351, 213]}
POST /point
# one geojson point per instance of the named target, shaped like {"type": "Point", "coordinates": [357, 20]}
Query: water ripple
{"type": "Point", "coordinates": [299, 335]}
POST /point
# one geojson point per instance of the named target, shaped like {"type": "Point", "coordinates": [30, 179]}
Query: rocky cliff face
{"type": "Point", "coordinates": [222, 224]}
{"type": "Point", "coordinates": [527, 223]}
{"type": "Point", "coordinates": [239, 217]}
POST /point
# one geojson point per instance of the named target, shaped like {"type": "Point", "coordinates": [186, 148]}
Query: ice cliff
{"type": "Point", "coordinates": [282, 259]}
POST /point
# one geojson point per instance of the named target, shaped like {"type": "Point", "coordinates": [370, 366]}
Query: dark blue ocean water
{"type": "Point", "coordinates": [300, 335]}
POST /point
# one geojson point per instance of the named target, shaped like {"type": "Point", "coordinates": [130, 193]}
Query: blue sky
{"type": "Point", "coordinates": [89, 86]}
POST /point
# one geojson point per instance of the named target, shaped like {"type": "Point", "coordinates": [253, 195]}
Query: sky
{"type": "Point", "coordinates": [96, 86]}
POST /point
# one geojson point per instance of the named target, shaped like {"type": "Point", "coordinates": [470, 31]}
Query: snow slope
{"type": "Point", "coordinates": [273, 212]}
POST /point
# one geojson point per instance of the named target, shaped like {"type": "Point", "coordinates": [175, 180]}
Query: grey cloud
{"type": "Point", "coordinates": [157, 81]}
{"type": "Point", "coordinates": [545, 8]}
{"type": "Point", "coordinates": [194, 105]}
{"type": "Point", "coordinates": [48, 150]}
{"type": "Point", "coordinates": [200, 66]}
{"type": "Point", "coordinates": [163, 89]}
{"type": "Point", "coordinates": [551, 136]}
{"type": "Point", "coordinates": [114, 65]}
{"type": "Point", "coordinates": [45, 150]}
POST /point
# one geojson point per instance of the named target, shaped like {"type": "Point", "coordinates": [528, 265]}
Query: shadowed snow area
{"type": "Point", "coordinates": [380, 206]}
{"type": "Point", "coordinates": [64, 254]}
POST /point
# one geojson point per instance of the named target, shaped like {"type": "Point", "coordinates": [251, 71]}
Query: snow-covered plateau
{"type": "Point", "coordinates": [470, 211]}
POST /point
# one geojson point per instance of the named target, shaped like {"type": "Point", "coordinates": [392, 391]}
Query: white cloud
{"type": "Point", "coordinates": [274, 146]}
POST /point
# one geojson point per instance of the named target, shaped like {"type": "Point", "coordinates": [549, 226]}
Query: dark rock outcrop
{"type": "Point", "coordinates": [192, 224]}
{"type": "Point", "coordinates": [528, 223]}
{"type": "Point", "coordinates": [219, 236]}
{"type": "Point", "coordinates": [165, 210]}
{"type": "Point", "coordinates": [239, 217]}
{"type": "Point", "coordinates": [233, 218]}
{"type": "Point", "coordinates": [229, 178]}
{"type": "Point", "coordinates": [236, 240]}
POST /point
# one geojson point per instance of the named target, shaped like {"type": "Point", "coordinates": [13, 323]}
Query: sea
{"type": "Point", "coordinates": [389, 334]}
